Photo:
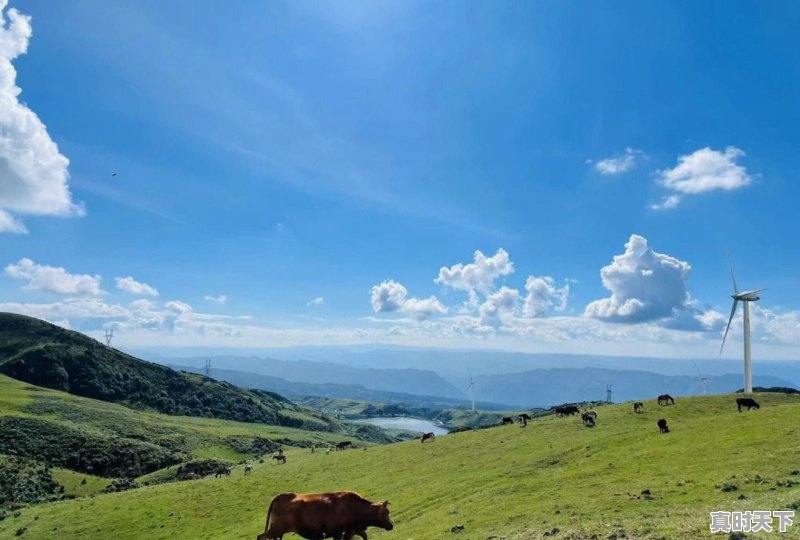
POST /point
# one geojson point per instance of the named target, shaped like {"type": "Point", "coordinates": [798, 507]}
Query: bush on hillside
{"type": "Point", "coordinates": [81, 450]}
{"type": "Point", "coordinates": [25, 482]}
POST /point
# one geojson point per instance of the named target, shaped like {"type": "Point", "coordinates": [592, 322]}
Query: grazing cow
{"type": "Point", "coordinates": [638, 407]}
{"type": "Point", "coordinates": [662, 426]}
{"type": "Point", "coordinates": [750, 403]}
{"type": "Point", "coordinates": [248, 469]}
{"type": "Point", "coordinates": [192, 476]}
{"type": "Point", "coordinates": [344, 445]}
{"type": "Point", "coordinates": [507, 420]}
{"type": "Point", "coordinates": [340, 515]}
{"type": "Point", "coordinates": [592, 414]}
{"type": "Point", "coordinates": [280, 458]}
{"type": "Point", "coordinates": [567, 410]}
{"type": "Point", "coordinates": [523, 420]}
{"type": "Point", "coordinates": [225, 471]}
{"type": "Point", "coordinates": [588, 420]}
{"type": "Point", "coordinates": [666, 399]}
{"type": "Point", "coordinates": [525, 416]}
{"type": "Point", "coordinates": [428, 436]}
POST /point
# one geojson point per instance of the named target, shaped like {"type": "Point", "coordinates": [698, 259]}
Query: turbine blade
{"type": "Point", "coordinates": [697, 368]}
{"type": "Point", "coordinates": [733, 312]}
{"type": "Point", "coordinates": [754, 291]}
{"type": "Point", "coordinates": [730, 265]}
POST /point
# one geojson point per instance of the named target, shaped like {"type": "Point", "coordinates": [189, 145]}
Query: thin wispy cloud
{"type": "Point", "coordinates": [618, 164]}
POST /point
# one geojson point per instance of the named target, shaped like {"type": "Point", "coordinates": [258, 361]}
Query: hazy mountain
{"type": "Point", "coordinates": [406, 381]}
{"type": "Point", "coordinates": [294, 389]}
{"type": "Point", "coordinates": [545, 387]}
{"type": "Point", "coordinates": [454, 364]}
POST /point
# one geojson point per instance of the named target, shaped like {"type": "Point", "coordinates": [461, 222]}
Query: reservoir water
{"type": "Point", "coordinates": [406, 423]}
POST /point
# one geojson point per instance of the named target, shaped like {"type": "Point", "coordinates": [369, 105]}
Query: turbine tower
{"type": "Point", "coordinates": [745, 297]}
{"type": "Point", "coordinates": [471, 389]}
{"type": "Point", "coordinates": [703, 378]}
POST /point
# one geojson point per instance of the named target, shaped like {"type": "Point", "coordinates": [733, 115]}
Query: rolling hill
{"type": "Point", "coordinates": [553, 479]}
{"type": "Point", "coordinates": [46, 355]}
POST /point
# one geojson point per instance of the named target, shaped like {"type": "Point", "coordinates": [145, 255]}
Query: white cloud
{"type": "Point", "coordinates": [702, 171]}
{"type": "Point", "coordinates": [10, 224]}
{"type": "Point", "coordinates": [178, 307]}
{"type": "Point", "coordinates": [221, 299]}
{"type": "Point", "coordinates": [478, 276]}
{"type": "Point", "coordinates": [33, 174]}
{"type": "Point", "coordinates": [130, 285]}
{"type": "Point", "coordinates": [618, 164]}
{"type": "Point", "coordinates": [318, 301]}
{"type": "Point", "coordinates": [391, 296]}
{"type": "Point", "coordinates": [544, 295]}
{"type": "Point", "coordinates": [53, 279]}
{"type": "Point", "coordinates": [667, 203]}
{"type": "Point", "coordinates": [500, 308]}
{"type": "Point", "coordinates": [644, 285]}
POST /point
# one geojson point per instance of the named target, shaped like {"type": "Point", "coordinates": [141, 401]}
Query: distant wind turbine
{"type": "Point", "coordinates": [471, 389]}
{"type": "Point", "coordinates": [745, 298]}
{"type": "Point", "coordinates": [703, 378]}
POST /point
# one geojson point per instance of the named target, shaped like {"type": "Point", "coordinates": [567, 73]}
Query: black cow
{"type": "Point", "coordinates": [428, 436]}
{"type": "Point", "coordinates": [662, 426]}
{"type": "Point", "coordinates": [750, 403]}
{"type": "Point", "coordinates": [507, 420]}
{"type": "Point", "coordinates": [666, 399]}
{"type": "Point", "coordinates": [638, 407]}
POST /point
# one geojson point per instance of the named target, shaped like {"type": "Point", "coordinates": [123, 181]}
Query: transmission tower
{"type": "Point", "coordinates": [207, 368]}
{"type": "Point", "coordinates": [608, 393]}
{"type": "Point", "coordinates": [109, 335]}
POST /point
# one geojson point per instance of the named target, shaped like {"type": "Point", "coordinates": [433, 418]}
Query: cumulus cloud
{"type": "Point", "coordinates": [544, 295]}
{"type": "Point", "coordinates": [33, 173]}
{"type": "Point", "coordinates": [618, 164]}
{"type": "Point", "coordinates": [130, 285]}
{"type": "Point", "coordinates": [478, 276]}
{"type": "Point", "coordinates": [644, 285]}
{"type": "Point", "coordinates": [500, 308]}
{"type": "Point", "coordinates": [318, 301]}
{"type": "Point", "coordinates": [53, 279]}
{"type": "Point", "coordinates": [391, 296]}
{"type": "Point", "coordinates": [702, 171]}
{"type": "Point", "coordinates": [220, 300]}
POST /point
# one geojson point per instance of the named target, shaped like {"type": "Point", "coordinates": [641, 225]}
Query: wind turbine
{"type": "Point", "coordinates": [703, 378]}
{"type": "Point", "coordinates": [745, 297]}
{"type": "Point", "coordinates": [471, 389]}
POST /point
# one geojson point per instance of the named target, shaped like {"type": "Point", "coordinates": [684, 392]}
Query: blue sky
{"type": "Point", "coordinates": [276, 153]}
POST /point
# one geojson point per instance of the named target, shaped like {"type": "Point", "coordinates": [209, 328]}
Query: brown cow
{"type": "Point", "coordinates": [315, 516]}
{"type": "Point", "coordinates": [428, 436]}
{"type": "Point", "coordinates": [280, 458]}
{"type": "Point", "coordinates": [344, 445]}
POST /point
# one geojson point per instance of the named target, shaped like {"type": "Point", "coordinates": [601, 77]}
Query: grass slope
{"type": "Point", "coordinates": [43, 354]}
{"type": "Point", "coordinates": [504, 482]}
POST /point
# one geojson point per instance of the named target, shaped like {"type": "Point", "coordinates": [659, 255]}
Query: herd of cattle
{"type": "Point", "coordinates": [342, 515]}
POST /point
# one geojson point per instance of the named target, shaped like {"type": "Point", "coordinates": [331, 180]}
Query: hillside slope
{"type": "Point", "coordinates": [46, 355]}
{"type": "Point", "coordinates": [504, 482]}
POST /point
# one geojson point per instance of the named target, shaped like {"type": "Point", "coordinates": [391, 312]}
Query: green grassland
{"type": "Point", "coordinates": [504, 482]}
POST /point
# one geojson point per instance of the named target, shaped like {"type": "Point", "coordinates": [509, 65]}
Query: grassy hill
{"type": "Point", "coordinates": [621, 479]}
{"type": "Point", "coordinates": [46, 355]}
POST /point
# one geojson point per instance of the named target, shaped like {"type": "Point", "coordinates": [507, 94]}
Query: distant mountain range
{"type": "Point", "coordinates": [453, 365]}
{"type": "Point", "coordinates": [405, 381]}
{"type": "Point", "coordinates": [532, 388]}
{"type": "Point", "coordinates": [545, 387]}
{"type": "Point", "coordinates": [294, 390]}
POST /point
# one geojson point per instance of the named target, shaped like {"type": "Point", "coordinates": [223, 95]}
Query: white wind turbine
{"type": "Point", "coordinates": [745, 297]}
{"type": "Point", "coordinates": [471, 389]}
{"type": "Point", "coordinates": [702, 378]}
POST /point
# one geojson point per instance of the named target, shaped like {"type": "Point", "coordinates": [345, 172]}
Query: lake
{"type": "Point", "coordinates": [404, 422]}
